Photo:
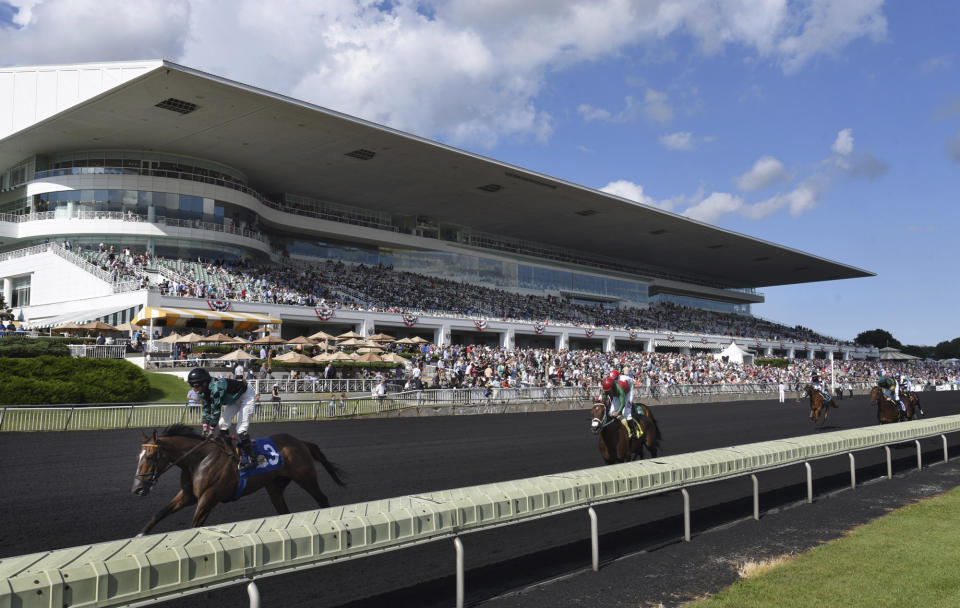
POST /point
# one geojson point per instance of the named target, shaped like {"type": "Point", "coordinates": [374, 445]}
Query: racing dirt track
{"type": "Point", "coordinates": [68, 489]}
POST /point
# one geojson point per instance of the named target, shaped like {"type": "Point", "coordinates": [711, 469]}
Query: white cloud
{"type": "Point", "coordinates": [681, 140]}
{"type": "Point", "coordinates": [591, 113]}
{"type": "Point", "coordinates": [457, 69]}
{"type": "Point", "coordinates": [657, 107]}
{"type": "Point", "coordinates": [826, 26]}
{"type": "Point", "coordinates": [714, 207]}
{"type": "Point", "coordinates": [765, 172]}
{"type": "Point", "coordinates": [843, 145]}
{"type": "Point", "coordinates": [629, 190]}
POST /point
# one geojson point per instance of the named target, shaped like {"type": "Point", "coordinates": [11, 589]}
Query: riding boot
{"type": "Point", "coordinates": [224, 436]}
{"type": "Point", "coordinates": [249, 459]}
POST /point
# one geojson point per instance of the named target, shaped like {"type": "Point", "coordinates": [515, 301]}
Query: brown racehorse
{"type": "Point", "coordinates": [818, 405]}
{"type": "Point", "coordinates": [914, 410]}
{"type": "Point", "coordinates": [208, 471]}
{"type": "Point", "coordinates": [615, 444]}
{"type": "Point", "coordinates": [888, 411]}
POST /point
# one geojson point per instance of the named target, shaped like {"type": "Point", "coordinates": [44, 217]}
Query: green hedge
{"type": "Point", "coordinates": [23, 347]}
{"type": "Point", "coordinates": [51, 380]}
{"type": "Point", "coordinates": [781, 363]}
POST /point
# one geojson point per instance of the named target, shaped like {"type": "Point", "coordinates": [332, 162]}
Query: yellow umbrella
{"type": "Point", "coordinates": [368, 358]}
{"type": "Point", "coordinates": [301, 340]}
{"type": "Point", "coordinates": [172, 338]}
{"type": "Point", "coordinates": [418, 340]}
{"type": "Point", "coordinates": [370, 349]}
{"type": "Point", "coordinates": [380, 338]}
{"type": "Point", "coordinates": [192, 338]}
{"type": "Point", "coordinates": [348, 335]}
{"type": "Point", "coordinates": [237, 355]}
{"type": "Point", "coordinates": [352, 342]}
{"type": "Point", "coordinates": [98, 326]}
{"type": "Point", "coordinates": [294, 357]}
{"type": "Point", "coordinates": [218, 338]}
{"type": "Point", "coordinates": [405, 341]}
{"type": "Point", "coordinates": [321, 335]}
{"type": "Point", "coordinates": [341, 357]}
{"type": "Point", "coordinates": [66, 327]}
{"type": "Point", "coordinates": [392, 358]}
{"type": "Point", "coordinates": [322, 357]}
{"type": "Point", "coordinates": [270, 340]}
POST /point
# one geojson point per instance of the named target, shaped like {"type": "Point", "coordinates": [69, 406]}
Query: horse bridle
{"type": "Point", "coordinates": [155, 471]}
{"type": "Point", "coordinates": [606, 421]}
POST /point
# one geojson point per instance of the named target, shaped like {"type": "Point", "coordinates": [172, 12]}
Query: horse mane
{"type": "Point", "coordinates": [180, 430]}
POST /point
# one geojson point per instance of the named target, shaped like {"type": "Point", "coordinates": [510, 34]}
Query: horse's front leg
{"type": "Point", "coordinates": [204, 506]}
{"type": "Point", "coordinates": [183, 499]}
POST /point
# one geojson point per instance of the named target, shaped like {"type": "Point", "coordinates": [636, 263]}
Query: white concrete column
{"type": "Point", "coordinates": [442, 335]}
{"type": "Point", "coordinates": [791, 353]}
{"type": "Point", "coordinates": [846, 355]}
{"type": "Point", "coordinates": [563, 341]}
{"type": "Point", "coordinates": [768, 351]}
{"type": "Point", "coordinates": [650, 346]}
{"type": "Point", "coordinates": [366, 328]}
{"type": "Point", "coordinates": [810, 353]}
{"type": "Point", "coordinates": [151, 213]}
{"type": "Point", "coordinates": [508, 338]}
{"type": "Point", "coordinates": [8, 292]}
{"type": "Point", "coordinates": [610, 344]}
{"type": "Point", "coordinates": [70, 209]}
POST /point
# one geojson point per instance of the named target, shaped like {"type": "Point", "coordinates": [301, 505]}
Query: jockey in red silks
{"type": "Point", "coordinates": [616, 390]}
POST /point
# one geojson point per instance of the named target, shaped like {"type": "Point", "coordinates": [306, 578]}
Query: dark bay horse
{"type": "Point", "coordinates": [818, 405]}
{"type": "Point", "coordinates": [208, 471]}
{"type": "Point", "coordinates": [615, 444]}
{"type": "Point", "coordinates": [888, 411]}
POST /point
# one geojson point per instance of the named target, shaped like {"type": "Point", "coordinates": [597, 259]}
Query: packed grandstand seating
{"type": "Point", "coordinates": [378, 288]}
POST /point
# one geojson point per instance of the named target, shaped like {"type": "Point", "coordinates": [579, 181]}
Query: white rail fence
{"type": "Point", "coordinates": [141, 570]}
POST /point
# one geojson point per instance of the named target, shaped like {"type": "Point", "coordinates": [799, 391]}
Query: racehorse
{"type": "Point", "coordinates": [913, 405]}
{"type": "Point", "coordinates": [888, 411]}
{"type": "Point", "coordinates": [615, 444]}
{"type": "Point", "coordinates": [817, 404]}
{"type": "Point", "coordinates": [209, 476]}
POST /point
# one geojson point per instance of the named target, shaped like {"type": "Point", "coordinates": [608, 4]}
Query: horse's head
{"type": "Point", "coordinates": [148, 465]}
{"type": "Point", "coordinates": [597, 413]}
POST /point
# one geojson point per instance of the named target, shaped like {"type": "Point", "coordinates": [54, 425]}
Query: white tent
{"type": "Point", "coordinates": [735, 354]}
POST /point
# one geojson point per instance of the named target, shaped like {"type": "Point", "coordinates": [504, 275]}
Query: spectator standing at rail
{"type": "Point", "coordinates": [275, 398]}
{"type": "Point", "coordinates": [781, 389]}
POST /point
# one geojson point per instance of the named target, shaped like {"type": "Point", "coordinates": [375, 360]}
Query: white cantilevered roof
{"type": "Point", "coordinates": [286, 145]}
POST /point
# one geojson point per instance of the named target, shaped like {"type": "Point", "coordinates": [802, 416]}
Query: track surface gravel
{"type": "Point", "coordinates": [68, 489]}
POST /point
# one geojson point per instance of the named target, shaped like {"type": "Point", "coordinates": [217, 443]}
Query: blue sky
{"type": "Point", "coordinates": [830, 127]}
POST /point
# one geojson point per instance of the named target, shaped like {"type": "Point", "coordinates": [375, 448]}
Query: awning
{"type": "Point", "coordinates": [196, 317]}
{"type": "Point", "coordinates": [675, 343]}
{"type": "Point", "coordinates": [111, 314]}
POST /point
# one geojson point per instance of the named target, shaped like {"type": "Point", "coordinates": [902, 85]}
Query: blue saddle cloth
{"type": "Point", "coordinates": [826, 395]}
{"type": "Point", "coordinates": [269, 459]}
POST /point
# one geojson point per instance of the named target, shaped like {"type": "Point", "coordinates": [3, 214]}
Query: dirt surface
{"type": "Point", "coordinates": [69, 489]}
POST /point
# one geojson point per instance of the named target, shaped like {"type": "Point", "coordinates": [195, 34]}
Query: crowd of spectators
{"type": "Point", "coordinates": [383, 289]}
{"type": "Point", "coordinates": [480, 366]}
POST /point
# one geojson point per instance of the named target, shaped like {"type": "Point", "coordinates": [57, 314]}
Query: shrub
{"type": "Point", "coordinates": [20, 347]}
{"type": "Point", "coordinates": [781, 363]}
{"type": "Point", "coordinates": [50, 380]}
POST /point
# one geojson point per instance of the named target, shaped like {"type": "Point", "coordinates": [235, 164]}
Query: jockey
{"type": "Point", "coordinates": [905, 385]}
{"type": "Point", "coordinates": [619, 406]}
{"type": "Point", "coordinates": [889, 386]}
{"type": "Point", "coordinates": [222, 400]}
{"type": "Point", "coordinates": [817, 383]}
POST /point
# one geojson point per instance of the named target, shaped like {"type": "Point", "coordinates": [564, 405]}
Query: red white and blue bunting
{"type": "Point", "coordinates": [540, 327]}
{"type": "Point", "coordinates": [219, 305]}
{"type": "Point", "coordinates": [409, 320]}
{"type": "Point", "coordinates": [324, 313]}
{"type": "Point", "coordinates": [670, 338]}
{"type": "Point", "coordinates": [480, 325]}
{"type": "Point", "coordinates": [632, 334]}
{"type": "Point", "coordinates": [588, 332]}
{"type": "Point", "coordinates": [703, 340]}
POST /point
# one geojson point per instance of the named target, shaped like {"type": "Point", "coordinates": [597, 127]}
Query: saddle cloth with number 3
{"type": "Point", "coordinates": [268, 459]}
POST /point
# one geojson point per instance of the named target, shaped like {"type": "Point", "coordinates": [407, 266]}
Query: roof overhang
{"type": "Point", "coordinates": [286, 145]}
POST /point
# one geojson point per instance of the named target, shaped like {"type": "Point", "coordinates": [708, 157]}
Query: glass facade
{"type": "Point", "coordinates": [702, 303]}
{"type": "Point", "coordinates": [499, 274]}
{"type": "Point", "coordinates": [21, 292]}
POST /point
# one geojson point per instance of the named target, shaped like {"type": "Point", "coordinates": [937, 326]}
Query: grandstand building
{"type": "Point", "coordinates": [161, 158]}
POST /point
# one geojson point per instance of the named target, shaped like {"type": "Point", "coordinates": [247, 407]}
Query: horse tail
{"type": "Point", "coordinates": [335, 472]}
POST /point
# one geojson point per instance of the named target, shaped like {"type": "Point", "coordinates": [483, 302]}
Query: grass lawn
{"type": "Point", "coordinates": [906, 558]}
{"type": "Point", "coordinates": [166, 388]}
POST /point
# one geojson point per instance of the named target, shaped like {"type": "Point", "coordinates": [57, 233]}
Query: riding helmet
{"type": "Point", "coordinates": [198, 375]}
{"type": "Point", "coordinates": [607, 384]}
